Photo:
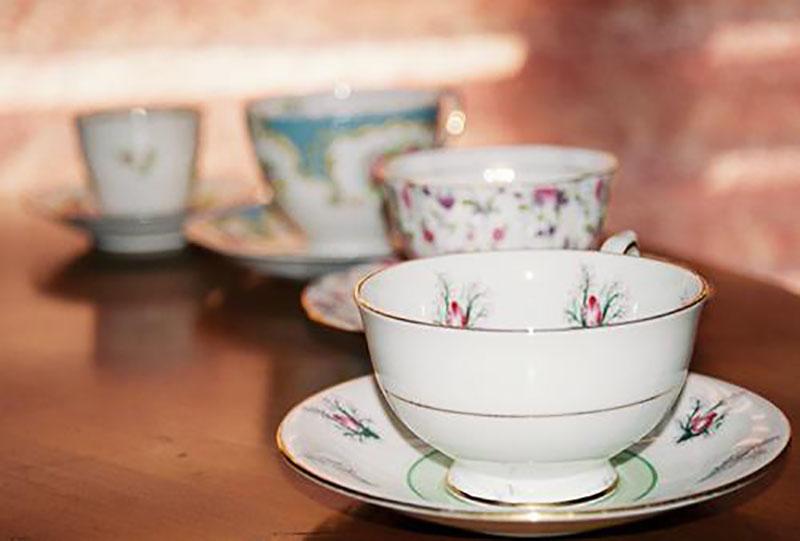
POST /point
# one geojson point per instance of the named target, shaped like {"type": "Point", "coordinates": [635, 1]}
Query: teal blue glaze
{"type": "Point", "coordinates": [313, 136]}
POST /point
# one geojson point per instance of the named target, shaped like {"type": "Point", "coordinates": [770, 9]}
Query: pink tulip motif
{"type": "Point", "coordinates": [592, 314]}
{"type": "Point", "coordinates": [594, 306]}
{"type": "Point", "coordinates": [459, 307]}
{"type": "Point", "coordinates": [456, 316]}
{"type": "Point", "coordinates": [346, 419]}
{"type": "Point", "coordinates": [700, 422]}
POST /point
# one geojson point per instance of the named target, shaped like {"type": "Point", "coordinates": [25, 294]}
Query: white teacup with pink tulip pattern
{"type": "Point", "coordinates": [532, 368]}
{"type": "Point", "coordinates": [497, 198]}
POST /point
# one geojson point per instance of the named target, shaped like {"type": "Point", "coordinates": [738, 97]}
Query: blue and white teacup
{"type": "Point", "coordinates": [316, 151]}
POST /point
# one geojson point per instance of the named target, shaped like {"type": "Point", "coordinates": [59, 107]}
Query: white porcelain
{"type": "Point", "coordinates": [328, 300]}
{"type": "Point", "coordinates": [497, 198]}
{"type": "Point", "coordinates": [263, 240]}
{"type": "Point", "coordinates": [518, 346]}
{"type": "Point", "coordinates": [140, 161]}
{"type": "Point", "coordinates": [77, 207]}
{"type": "Point", "coordinates": [718, 438]}
{"type": "Point", "coordinates": [316, 151]}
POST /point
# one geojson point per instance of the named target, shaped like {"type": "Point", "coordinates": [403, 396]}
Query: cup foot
{"type": "Point", "coordinates": [540, 484]}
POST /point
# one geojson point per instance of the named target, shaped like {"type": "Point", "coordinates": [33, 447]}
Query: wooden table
{"type": "Point", "coordinates": [139, 400]}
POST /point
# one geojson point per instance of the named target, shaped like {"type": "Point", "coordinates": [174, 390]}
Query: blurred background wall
{"type": "Point", "coordinates": [699, 99]}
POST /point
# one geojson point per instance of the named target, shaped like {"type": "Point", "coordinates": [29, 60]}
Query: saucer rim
{"type": "Point", "coordinates": [305, 258]}
{"type": "Point", "coordinates": [529, 515]}
{"type": "Point", "coordinates": [31, 199]}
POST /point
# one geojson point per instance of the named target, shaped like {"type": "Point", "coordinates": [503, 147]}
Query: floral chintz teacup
{"type": "Point", "coordinates": [532, 368]}
{"type": "Point", "coordinates": [141, 161]}
{"type": "Point", "coordinates": [497, 198]}
{"type": "Point", "coordinates": [317, 150]}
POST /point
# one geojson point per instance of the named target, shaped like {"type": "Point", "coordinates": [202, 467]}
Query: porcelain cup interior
{"type": "Point", "coordinates": [492, 198]}
{"type": "Point", "coordinates": [141, 161]}
{"type": "Point", "coordinates": [531, 356]}
{"type": "Point", "coordinates": [316, 151]}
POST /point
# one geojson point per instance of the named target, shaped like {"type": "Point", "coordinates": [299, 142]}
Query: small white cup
{"type": "Point", "coordinates": [140, 161]}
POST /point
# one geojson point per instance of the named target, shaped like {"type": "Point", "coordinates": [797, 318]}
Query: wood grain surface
{"type": "Point", "coordinates": [139, 400]}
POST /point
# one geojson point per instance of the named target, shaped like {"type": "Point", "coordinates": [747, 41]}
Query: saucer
{"type": "Point", "coordinates": [74, 206]}
{"type": "Point", "coordinates": [328, 300]}
{"type": "Point", "coordinates": [262, 239]}
{"type": "Point", "coordinates": [718, 438]}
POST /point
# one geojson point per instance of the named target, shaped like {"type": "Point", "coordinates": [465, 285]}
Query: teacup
{"type": "Point", "coordinates": [531, 369]}
{"type": "Point", "coordinates": [496, 198]}
{"type": "Point", "coordinates": [141, 161]}
{"type": "Point", "coordinates": [316, 151]}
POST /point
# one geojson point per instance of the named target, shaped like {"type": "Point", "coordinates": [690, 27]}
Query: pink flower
{"type": "Point", "coordinates": [543, 195]}
{"type": "Point", "coordinates": [455, 315]}
{"type": "Point", "coordinates": [600, 190]}
{"type": "Point", "coordinates": [446, 201]}
{"type": "Point", "coordinates": [427, 234]}
{"type": "Point", "coordinates": [405, 195]}
{"type": "Point", "coordinates": [701, 423]}
{"type": "Point", "coordinates": [498, 234]}
{"type": "Point", "coordinates": [592, 313]}
{"type": "Point", "coordinates": [346, 421]}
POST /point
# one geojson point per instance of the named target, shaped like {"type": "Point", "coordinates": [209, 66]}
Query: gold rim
{"type": "Point", "coordinates": [251, 105]}
{"type": "Point", "coordinates": [602, 493]}
{"type": "Point", "coordinates": [382, 177]}
{"type": "Point", "coordinates": [699, 297]}
{"type": "Point", "coordinates": [531, 415]}
{"type": "Point", "coordinates": [516, 515]}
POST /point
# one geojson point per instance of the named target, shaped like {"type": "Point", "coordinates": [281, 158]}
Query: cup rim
{"type": "Point", "coordinates": [254, 108]}
{"type": "Point", "coordinates": [82, 117]}
{"type": "Point", "coordinates": [382, 177]}
{"type": "Point", "coordinates": [700, 297]}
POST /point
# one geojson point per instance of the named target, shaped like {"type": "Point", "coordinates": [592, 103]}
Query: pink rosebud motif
{"type": "Point", "coordinates": [460, 307]}
{"type": "Point", "coordinates": [498, 234]}
{"type": "Point", "coordinates": [427, 234]}
{"type": "Point", "coordinates": [346, 421]}
{"type": "Point", "coordinates": [592, 313]}
{"type": "Point", "coordinates": [701, 423]}
{"type": "Point", "coordinates": [456, 317]}
{"type": "Point", "coordinates": [405, 195]}
{"type": "Point", "coordinates": [447, 201]}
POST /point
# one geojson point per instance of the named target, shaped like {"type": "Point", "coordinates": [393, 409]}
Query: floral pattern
{"type": "Point", "coordinates": [749, 452]}
{"type": "Point", "coordinates": [329, 299]}
{"type": "Point", "coordinates": [459, 307]}
{"type": "Point", "coordinates": [341, 466]}
{"type": "Point", "coordinates": [140, 164]}
{"type": "Point", "coordinates": [346, 418]}
{"type": "Point", "coordinates": [702, 421]}
{"type": "Point", "coordinates": [593, 306]}
{"type": "Point", "coordinates": [334, 160]}
{"type": "Point", "coordinates": [435, 219]}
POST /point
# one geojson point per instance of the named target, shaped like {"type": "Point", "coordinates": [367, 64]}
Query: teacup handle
{"type": "Point", "coordinates": [625, 243]}
{"type": "Point", "coordinates": [452, 118]}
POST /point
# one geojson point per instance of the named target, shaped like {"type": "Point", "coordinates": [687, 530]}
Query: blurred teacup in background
{"type": "Point", "coordinates": [316, 151]}
{"type": "Point", "coordinates": [141, 161]}
{"type": "Point", "coordinates": [497, 198]}
{"type": "Point", "coordinates": [141, 165]}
